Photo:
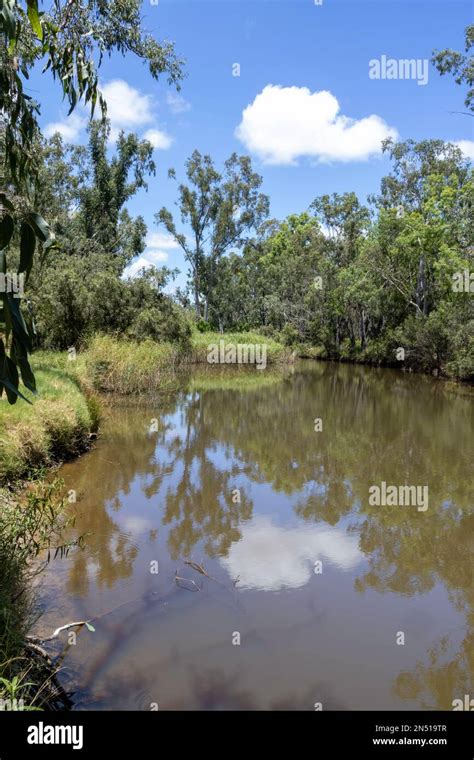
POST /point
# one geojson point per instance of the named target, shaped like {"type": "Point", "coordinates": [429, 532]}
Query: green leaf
{"type": "Point", "coordinates": [19, 328]}
{"type": "Point", "coordinates": [9, 378]}
{"type": "Point", "coordinates": [6, 316]}
{"type": "Point", "coordinates": [6, 231]}
{"type": "Point", "coordinates": [33, 15]}
{"type": "Point", "coordinates": [19, 355]}
{"type": "Point", "coordinates": [40, 227]}
{"type": "Point", "coordinates": [8, 21]}
{"type": "Point", "coordinates": [27, 249]}
{"type": "Point", "coordinates": [12, 391]}
{"type": "Point", "coordinates": [90, 627]}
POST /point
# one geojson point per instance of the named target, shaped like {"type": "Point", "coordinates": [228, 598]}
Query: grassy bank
{"type": "Point", "coordinates": [60, 421]}
{"type": "Point", "coordinates": [57, 425]}
{"type": "Point", "coordinates": [126, 367]}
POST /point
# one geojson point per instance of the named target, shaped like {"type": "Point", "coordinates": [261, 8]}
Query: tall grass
{"type": "Point", "coordinates": [30, 523]}
{"type": "Point", "coordinates": [123, 366]}
{"type": "Point", "coordinates": [127, 367]}
{"type": "Point", "coordinates": [276, 352]}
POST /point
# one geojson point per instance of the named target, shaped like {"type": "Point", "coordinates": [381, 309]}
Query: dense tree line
{"type": "Point", "coordinates": [341, 279]}
{"type": "Point", "coordinates": [79, 289]}
{"type": "Point", "coordinates": [362, 282]}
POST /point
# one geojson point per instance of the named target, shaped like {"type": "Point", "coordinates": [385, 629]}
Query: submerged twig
{"type": "Point", "coordinates": [177, 578]}
{"type": "Point", "coordinates": [186, 580]}
{"type": "Point", "coordinates": [200, 569]}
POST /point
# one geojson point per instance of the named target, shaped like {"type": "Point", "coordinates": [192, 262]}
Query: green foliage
{"type": "Point", "coordinates": [202, 326]}
{"type": "Point", "coordinates": [290, 335]}
{"type": "Point", "coordinates": [166, 323]}
{"type": "Point", "coordinates": [70, 39]}
{"type": "Point", "coordinates": [81, 290]}
{"type": "Point", "coordinates": [460, 66]}
{"type": "Point", "coordinates": [31, 528]}
{"type": "Point", "coordinates": [17, 342]}
{"type": "Point", "coordinates": [357, 285]}
{"type": "Point", "coordinates": [221, 210]}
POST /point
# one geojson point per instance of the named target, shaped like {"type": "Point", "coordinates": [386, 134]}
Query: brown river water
{"type": "Point", "coordinates": [314, 597]}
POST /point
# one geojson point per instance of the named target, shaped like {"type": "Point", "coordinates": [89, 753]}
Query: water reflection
{"type": "Point", "coordinates": [236, 477]}
{"type": "Point", "coordinates": [269, 557]}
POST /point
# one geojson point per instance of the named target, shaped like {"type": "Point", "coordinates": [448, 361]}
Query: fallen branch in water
{"type": "Point", "coordinates": [178, 579]}
{"type": "Point", "coordinates": [186, 580]}
{"type": "Point", "coordinates": [199, 569]}
{"type": "Point", "coordinates": [80, 623]}
{"type": "Point", "coordinates": [56, 633]}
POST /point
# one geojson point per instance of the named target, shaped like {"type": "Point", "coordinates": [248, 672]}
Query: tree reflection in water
{"type": "Point", "coordinates": [232, 430]}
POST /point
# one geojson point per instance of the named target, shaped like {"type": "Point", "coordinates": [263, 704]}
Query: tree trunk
{"type": "Point", "coordinates": [421, 300]}
{"type": "Point", "coordinates": [197, 304]}
{"type": "Point", "coordinates": [363, 336]}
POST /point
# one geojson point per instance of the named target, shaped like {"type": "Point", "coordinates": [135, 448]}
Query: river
{"type": "Point", "coordinates": [303, 594]}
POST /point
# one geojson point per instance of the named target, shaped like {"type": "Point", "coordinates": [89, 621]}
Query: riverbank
{"type": "Point", "coordinates": [58, 424]}
{"type": "Point", "coordinates": [409, 359]}
{"type": "Point", "coordinates": [63, 419]}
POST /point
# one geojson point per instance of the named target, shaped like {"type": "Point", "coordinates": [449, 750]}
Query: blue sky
{"type": "Point", "coordinates": [304, 143]}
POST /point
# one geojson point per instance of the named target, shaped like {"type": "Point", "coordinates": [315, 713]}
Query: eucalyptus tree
{"type": "Point", "coordinates": [460, 65]}
{"type": "Point", "coordinates": [218, 211]}
{"type": "Point", "coordinates": [405, 200]}
{"type": "Point", "coordinates": [70, 38]}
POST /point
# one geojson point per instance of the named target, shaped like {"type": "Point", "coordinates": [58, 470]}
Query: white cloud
{"type": "Point", "coordinates": [127, 109]}
{"type": "Point", "coordinates": [155, 254]}
{"type": "Point", "coordinates": [114, 135]}
{"type": "Point", "coordinates": [160, 240]}
{"type": "Point", "coordinates": [136, 524]}
{"type": "Point", "coordinates": [467, 147]}
{"type": "Point", "coordinates": [135, 268]}
{"type": "Point", "coordinates": [150, 258]}
{"type": "Point", "coordinates": [286, 123]}
{"type": "Point", "coordinates": [177, 103]}
{"type": "Point", "coordinates": [126, 106]}
{"type": "Point", "coordinates": [158, 138]}
{"type": "Point", "coordinates": [269, 557]}
{"type": "Point", "coordinates": [69, 128]}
